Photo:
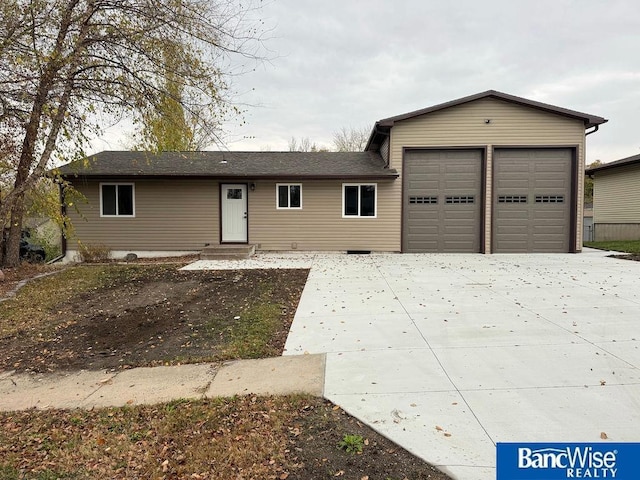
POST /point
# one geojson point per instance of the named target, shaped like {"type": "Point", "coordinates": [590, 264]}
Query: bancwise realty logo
{"type": "Point", "coordinates": [552, 461]}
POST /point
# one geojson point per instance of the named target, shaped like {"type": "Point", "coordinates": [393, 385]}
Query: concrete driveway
{"type": "Point", "coordinates": [449, 354]}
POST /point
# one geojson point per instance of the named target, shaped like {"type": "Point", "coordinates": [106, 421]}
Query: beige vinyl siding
{"type": "Point", "coordinates": [169, 215]}
{"type": "Point", "coordinates": [319, 224]}
{"type": "Point", "coordinates": [511, 125]}
{"type": "Point", "coordinates": [607, 232]}
{"type": "Point", "coordinates": [616, 204]}
{"type": "Point", "coordinates": [616, 195]}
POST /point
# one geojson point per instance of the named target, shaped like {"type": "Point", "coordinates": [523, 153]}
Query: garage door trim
{"type": "Point", "coordinates": [573, 220]}
{"type": "Point", "coordinates": [483, 183]}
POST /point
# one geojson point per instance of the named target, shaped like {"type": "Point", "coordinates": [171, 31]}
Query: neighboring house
{"type": "Point", "coordinates": [44, 230]}
{"type": "Point", "coordinates": [587, 223]}
{"type": "Point", "coordinates": [486, 173]}
{"type": "Point", "coordinates": [616, 199]}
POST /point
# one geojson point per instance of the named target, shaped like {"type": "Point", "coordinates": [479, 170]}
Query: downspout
{"type": "Point", "coordinates": [63, 238]}
{"type": "Point", "coordinates": [595, 129]}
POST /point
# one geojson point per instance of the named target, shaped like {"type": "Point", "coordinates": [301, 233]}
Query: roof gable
{"type": "Point", "coordinates": [382, 127]}
{"type": "Point", "coordinates": [589, 120]}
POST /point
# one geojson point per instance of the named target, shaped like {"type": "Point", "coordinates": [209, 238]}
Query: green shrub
{"type": "Point", "coordinates": [49, 241]}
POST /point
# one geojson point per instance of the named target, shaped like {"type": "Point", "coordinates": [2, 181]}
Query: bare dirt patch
{"type": "Point", "coordinates": [151, 315]}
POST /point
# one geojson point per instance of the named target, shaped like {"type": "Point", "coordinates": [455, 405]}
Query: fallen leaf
{"type": "Point", "coordinates": [447, 434]}
{"type": "Point", "coordinates": [439, 428]}
{"type": "Point", "coordinates": [603, 435]}
{"type": "Point", "coordinates": [339, 473]}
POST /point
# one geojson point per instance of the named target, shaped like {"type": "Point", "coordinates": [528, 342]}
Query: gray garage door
{"type": "Point", "coordinates": [532, 200]}
{"type": "Point", "coordinates": [442, 201]}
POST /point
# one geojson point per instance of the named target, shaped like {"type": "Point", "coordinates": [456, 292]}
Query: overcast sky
{"type": "Point", "coordinates": [348, 63]}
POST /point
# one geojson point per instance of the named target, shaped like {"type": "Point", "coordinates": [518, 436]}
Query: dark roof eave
{"type": "Point", "coordinates": [624, 162]}
{"type": "Point", "coordinates": [392, 175]}
{"type": "Point", "coordinates": [377, 134]}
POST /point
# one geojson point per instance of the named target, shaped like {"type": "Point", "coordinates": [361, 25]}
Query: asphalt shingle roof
{"type": "Point", "coordinates": [231, 165]}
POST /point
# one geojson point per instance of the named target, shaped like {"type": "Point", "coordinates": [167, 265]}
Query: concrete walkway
{"type": "Point", "coordinates": [87, 389]}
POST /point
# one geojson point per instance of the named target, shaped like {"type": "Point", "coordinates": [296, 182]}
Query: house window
{"type": "Point", "coordinates": [423, 200]}
{"type": "Point", "coordinates": [459, 199]}
{"type": "Point", "coordinates": [117, 200]}
{"type": "Point", "coordinates": [359, 200]}
{"type": "Point", "coordinates": [549, 198]}
{"type": "Point", "coordinates": [234, 194]}
{"type": "Point", "coordinates": [512, 199]}
{"type": "Point", "coordinates": [289, 196]}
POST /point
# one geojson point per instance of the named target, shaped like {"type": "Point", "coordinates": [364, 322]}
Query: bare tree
{"type": "Point", "coordinates": [167, 125]}
{"type": "Point", "coordinates": [351, 139]}
{"type": "Point", "coordinates": [66, 65]}
{"type": "Point", "coordinates": [588, 183]}
{"type": "Point", "coordinates": [305, 145]}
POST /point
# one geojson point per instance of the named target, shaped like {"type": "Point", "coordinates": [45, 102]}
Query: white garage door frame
{"type": "Point", "coordinates": [483, 184]}
{"type": "Point", "coordinates": [574, 149]}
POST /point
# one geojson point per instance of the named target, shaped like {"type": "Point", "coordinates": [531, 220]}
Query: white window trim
{"type": "Point", "coordinates": [278, 185]}
{"type": "Point", "coordinates": [133, 199]}
{"type": "Point", "coordinates": [375, 199]}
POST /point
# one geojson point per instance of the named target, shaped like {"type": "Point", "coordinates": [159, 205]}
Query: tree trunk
{"type": "Point", "coordinates": [3, 223]}
{"type": "Point", "coordinates": [12, 257]}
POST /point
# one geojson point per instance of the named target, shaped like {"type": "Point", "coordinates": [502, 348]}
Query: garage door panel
{"type": "Point", "coordinates": [514, 214]}
{"type": "Point", "coordinates": [458, 232]}
{"type": "Point", "coordinates": [554, 215]}
{"type": "Point", "coordinates": [532, 188]}
{"type": "Point", "coordinates": [461, 219]}
{"type": "Point", "coordinates": [550, 185]}
{"type": "Point", "coordinates": [425, 184]}
{"type": "Point", "coordinates": [457, 166]}
{"type": "Point", "coordinates": [549, 169]}
{"type": "Point", "coordinates": [452, 179]}
{"type": "Point", "coordinates": [425, 215]}
{"type": "Point", "coordinates": [513, 185]}
{"type": "Point", "coordinates": [461, 186]}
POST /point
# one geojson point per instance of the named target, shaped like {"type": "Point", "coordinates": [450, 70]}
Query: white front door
{"type": "Point", "coordinates": [234, 213]}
